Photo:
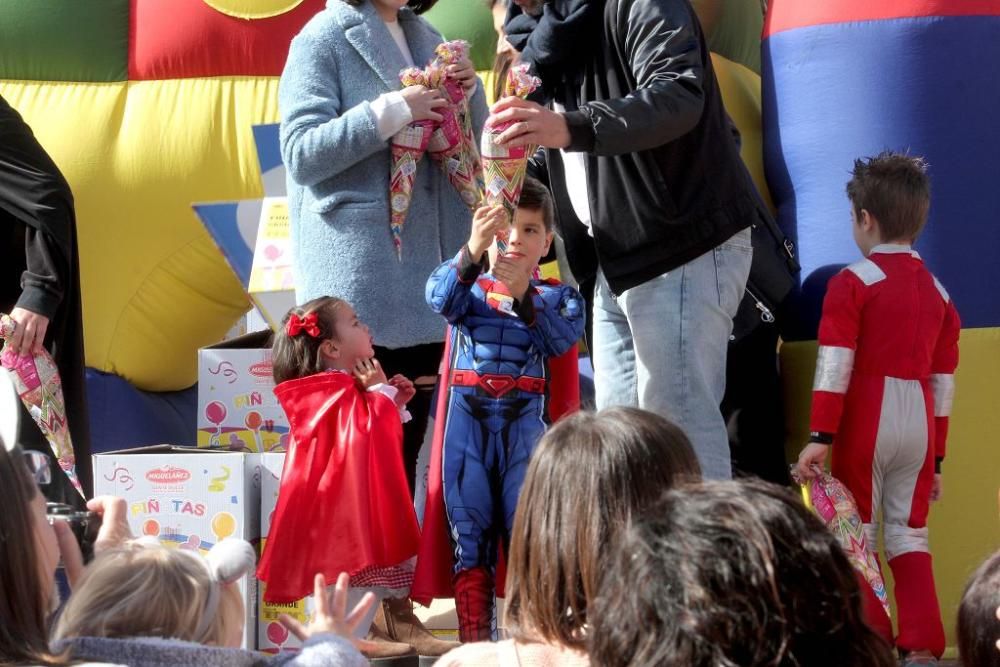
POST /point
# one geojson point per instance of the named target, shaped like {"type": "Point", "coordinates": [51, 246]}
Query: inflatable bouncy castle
{"type": "Point", "coordinates": [148, 106]}
{"type": "Point", "coordinates": [848, 79]}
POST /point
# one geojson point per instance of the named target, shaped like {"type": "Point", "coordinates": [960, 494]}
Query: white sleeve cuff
{"type": "Point", "coordinates": [391, 392]}
{"type": "Point", "coordinates": [391, 112]}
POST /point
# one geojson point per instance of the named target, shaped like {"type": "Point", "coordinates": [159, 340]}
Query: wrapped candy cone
{"type": "Point", "coordinates": [40, 388]}
{"type": "Point", "coordinates": [451, 53]}
{"type": "Point", "coordinates": [504, 167]}
{"type": "Point", "coordinates": [408, 146]}
{"type": "Point", "coordinates": [835, 505]}
{"type": "Point", "coordinates": [447, 148]}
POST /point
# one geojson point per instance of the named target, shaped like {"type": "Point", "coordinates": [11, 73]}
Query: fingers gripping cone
{"type": "Point", "coordinates": [40, 388]}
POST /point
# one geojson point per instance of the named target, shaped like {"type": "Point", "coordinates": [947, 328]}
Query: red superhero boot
{"type": "Point", "coordinates": [474, 604]}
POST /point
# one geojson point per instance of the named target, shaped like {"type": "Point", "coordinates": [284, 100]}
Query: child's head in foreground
{"type": "Point", "coordinates": [731, 573]}
{"type": "Point", "coordinates": [146, 590]}
{"type": "Point", "coordinates": [890, 196]}
{"type": "Point", "coordinates": [589, 475]}
{"type": "Point", "coordinates": [979, 617]}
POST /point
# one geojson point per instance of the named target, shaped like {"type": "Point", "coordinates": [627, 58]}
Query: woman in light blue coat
{"type": "Point", "coordinates": [341, 101]}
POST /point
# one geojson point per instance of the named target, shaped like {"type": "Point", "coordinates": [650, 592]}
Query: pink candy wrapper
{"type": "Point", "coordinates": [40, 388]}
{"type": "Point", "coordinates": [835, 505]}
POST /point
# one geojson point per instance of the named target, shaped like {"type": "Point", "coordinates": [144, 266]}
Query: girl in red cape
{"type": "Point", "coordinates": [344, 503]}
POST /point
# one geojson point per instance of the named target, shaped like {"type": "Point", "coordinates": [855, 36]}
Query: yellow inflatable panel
{"type": "Point", "coordinates": [963, 524]}
{"type": "Point", "coordinates": [137, 155]}
{"type": "Point", "coordinates": [740, 88]}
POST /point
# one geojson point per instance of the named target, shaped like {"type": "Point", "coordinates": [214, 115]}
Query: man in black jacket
{"type": "Point", "coordinates": [652, 199]}
{"type": "Point", "coordinates": [40, 281]}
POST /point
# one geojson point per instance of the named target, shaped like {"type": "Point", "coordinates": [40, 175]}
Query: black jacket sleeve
{"type": "Point", "coordinates": [43, 283]}
{"type": "Point", "coordinates": [658, 41]}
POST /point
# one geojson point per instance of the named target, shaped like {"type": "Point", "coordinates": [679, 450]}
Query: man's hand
{"type": "Point", "coordinates": [812, 457]}
{"type": "Point", "coordinates": [486, 222]}
{"type": "Point", "coordinates": [29, 336]}
{"type": "Point", "coordinates": [331, 613]}
{"type": "Point", "coordinates": [937, 490]}
{"type": "Point", "coordinates": [514, 274]}
{"type": "Point", "coordinates": [533, 124]}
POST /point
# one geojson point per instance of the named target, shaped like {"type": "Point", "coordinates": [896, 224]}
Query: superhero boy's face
{"type": "Point", "coordinates": [527, 241]}
{"type": "Point", "coordinates": [353, 340]}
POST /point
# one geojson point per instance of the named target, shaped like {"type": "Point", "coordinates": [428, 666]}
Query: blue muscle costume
{"type": "Point", "coordinates": [497, 398]}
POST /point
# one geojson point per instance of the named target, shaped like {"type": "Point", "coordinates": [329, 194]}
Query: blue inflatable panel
{"type": "Point", "coordinates": [926, 85]}
{"type": "Point", "coordinates": [122, 416]}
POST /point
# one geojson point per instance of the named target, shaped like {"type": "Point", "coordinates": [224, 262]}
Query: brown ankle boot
{"type": "Point", "coordinates": [403, 626]}
{"type": "Point", "coordinates": [384, 646]}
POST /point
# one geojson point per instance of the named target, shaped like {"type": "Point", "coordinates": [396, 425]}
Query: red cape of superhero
{"type": "Point", "coordinates": [435, 563]}
{"type": "Point", "coordinates": [344, 501]}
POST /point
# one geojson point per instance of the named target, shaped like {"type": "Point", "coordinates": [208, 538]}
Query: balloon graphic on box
{"type": "Point", "coordinates": [277, 633]}
{"type": "Point", "coordinates": [215, 412]}
{"type": "Point", "coordinates": [223, 525]}
{"type": "Point", "coordinates": [151, 527]}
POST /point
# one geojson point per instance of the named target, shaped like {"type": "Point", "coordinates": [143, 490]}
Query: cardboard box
{"type": "Point", "coordinates": [190, 499]}
{"type": "Point", "coordinates": [271, 635]}
{"type": "Point", "coordinates": [237, 409]}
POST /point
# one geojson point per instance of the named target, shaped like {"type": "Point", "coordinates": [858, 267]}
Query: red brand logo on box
{"type": "Point", "coordinates": [168, 475]}
{"type": "Point", "coordinates": [262, 369]}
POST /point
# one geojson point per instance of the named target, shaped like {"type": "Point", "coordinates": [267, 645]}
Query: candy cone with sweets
{"type": "Point", "coordinates": [504, 167]}
{"type": "Point", "coordinates": [40, 388]}
{"type": "Point", "coordinates": [408, 146]}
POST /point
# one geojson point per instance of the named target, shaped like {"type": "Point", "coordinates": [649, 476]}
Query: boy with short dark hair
{"type": "Point", "coordinates": [505, 326]}
{"type": "Point", "coordinates": [888, 349]}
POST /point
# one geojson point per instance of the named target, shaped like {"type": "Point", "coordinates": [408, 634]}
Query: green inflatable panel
{"type": "Point", "coordinates": [82, 40]}
{"type": "Point", "coordinates": [733, 29]}
{"type": "Point", "coordinates": [469, 20]}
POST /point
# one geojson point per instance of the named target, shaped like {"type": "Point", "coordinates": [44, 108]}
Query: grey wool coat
{"type": "Point", "coordinates": [338, 174]}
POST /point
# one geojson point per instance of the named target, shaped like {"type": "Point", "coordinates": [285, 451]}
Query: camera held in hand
{"type": "Point", "coordinates": [83, 524]}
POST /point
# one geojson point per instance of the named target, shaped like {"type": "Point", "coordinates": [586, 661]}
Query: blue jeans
{"type": "Point", "coordinates": [662, 345]}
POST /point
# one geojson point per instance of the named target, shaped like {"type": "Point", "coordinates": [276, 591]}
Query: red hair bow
{"type": "Point", "coordinates": [308, 323]}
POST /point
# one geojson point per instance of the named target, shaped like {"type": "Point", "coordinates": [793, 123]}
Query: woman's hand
{"type": "Point", "coordinates": [465, 72]}
{"type": "Point", "coordinates": [29, 336]}
{"type": "Point", "coordinates": [331, 613]}
{"type": "Point", "coordinates": [369, 372]}
{"type": "Point", "coordinates": [113, 533]}
{"type": "Point", "coordinates": [423, 101]}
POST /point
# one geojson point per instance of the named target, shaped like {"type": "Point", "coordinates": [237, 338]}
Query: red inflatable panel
{"type": "Point", "coordinates": [790, 15]}
{"type": "Point", "coordinates": [178, 39]}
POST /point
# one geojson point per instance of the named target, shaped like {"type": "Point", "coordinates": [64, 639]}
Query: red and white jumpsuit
{"type": "Point", "coordinates": [888, 349]}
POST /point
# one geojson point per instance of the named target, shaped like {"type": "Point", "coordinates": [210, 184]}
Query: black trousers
{"type": "Point", "coordinates": [413, 362]}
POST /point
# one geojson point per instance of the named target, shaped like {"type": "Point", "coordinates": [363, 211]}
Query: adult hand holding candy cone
{"type": "Point", "coordinates": [505, 163]}
{"type": "Point", "coordinates": [40, 388]}
{"type": "Point", "coordinates": [408, 146]}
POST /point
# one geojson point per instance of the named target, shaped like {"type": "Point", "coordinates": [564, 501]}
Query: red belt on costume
{"type": "Point", "coordinates": [497, 385]}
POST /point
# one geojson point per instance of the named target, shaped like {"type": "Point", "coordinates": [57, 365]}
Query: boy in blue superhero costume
{"type": "Point", "coordinates": [504, 327]}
